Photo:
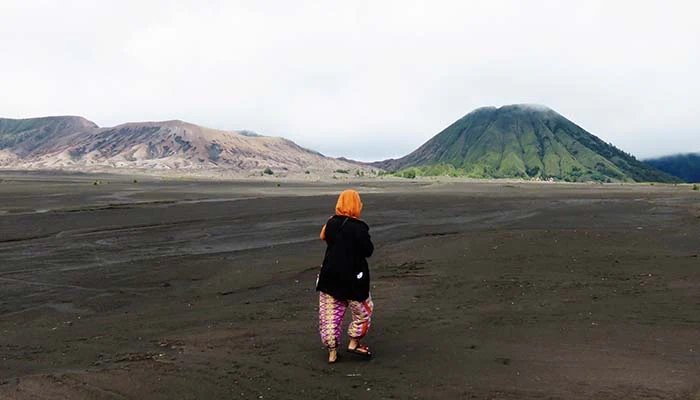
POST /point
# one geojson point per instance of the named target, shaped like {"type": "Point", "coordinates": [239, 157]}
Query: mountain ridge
{"type": "Point", "coordinates": [525, 141]}
{"type": "Point", "coordinates": [73, 142]}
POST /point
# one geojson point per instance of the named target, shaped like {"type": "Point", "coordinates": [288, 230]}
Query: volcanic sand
{"type": "Point", "coordinates": [483, 290]}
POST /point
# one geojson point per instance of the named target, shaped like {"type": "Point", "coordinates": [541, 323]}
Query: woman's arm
{"type": "Point", "coordinates": [323, 230]}
{"type": "Point", "coordinates": [365, 242]}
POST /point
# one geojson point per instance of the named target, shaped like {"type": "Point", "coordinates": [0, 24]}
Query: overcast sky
{"type": "Point", "coordinates": [362, 79]}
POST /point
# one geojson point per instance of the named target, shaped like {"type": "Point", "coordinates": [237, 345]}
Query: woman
{"type": "Point", "coordinates": [344, 279]}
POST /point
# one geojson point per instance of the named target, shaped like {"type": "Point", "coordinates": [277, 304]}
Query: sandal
{"type": "Point", "coordinates": [361, 350]}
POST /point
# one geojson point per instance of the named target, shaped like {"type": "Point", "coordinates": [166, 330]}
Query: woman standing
{"type": "Point", "coordinates": [344, 279]}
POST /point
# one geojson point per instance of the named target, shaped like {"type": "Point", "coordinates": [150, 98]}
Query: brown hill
{"type": "Point", "coordinates": [76, 143]}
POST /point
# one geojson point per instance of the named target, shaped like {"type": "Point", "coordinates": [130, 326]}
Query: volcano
{"type": "Point", "coordinates": [523, 141]}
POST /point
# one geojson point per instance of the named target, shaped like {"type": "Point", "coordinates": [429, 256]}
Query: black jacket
{"type": "Point", "coordinates": [345, 273]}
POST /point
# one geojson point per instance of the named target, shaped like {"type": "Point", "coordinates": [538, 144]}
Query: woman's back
{"type": "Point", "coordinates": [345, 272]}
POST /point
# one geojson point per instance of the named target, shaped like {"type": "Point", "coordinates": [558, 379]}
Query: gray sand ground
{"type": "Point", "coordinates": [180, 289]}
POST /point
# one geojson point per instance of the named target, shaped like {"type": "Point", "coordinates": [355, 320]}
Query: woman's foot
{"type": "Point", "coordinates": [332, 356]}
{"type": "Point", "coordinates": [355, 347]}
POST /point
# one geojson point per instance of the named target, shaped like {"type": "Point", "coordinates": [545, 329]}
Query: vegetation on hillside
{"type": "Point", "coordinates": [684, 166]}
{"type": "Point", "coordinates": [525, 142]}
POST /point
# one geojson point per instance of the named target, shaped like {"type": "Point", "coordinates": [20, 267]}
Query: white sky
{"type": "Point", "coordinates": [362, 79]}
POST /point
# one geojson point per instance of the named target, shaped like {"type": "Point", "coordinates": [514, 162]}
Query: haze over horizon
{"type": "Point", "coordinates": [366, 80]}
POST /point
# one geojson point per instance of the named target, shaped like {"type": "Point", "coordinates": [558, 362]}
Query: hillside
{"type": "Point", "coordinates": [523, 141]}
{"type": "Point", "coordinates": [684, 166]}
{"type": "Point", "coordinates": [23, 136]}
{"type": "Point", "coordinates": [76, 143]}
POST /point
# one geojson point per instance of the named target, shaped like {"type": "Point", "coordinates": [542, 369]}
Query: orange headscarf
{"type": "Point", "coordinates": [348, 205]}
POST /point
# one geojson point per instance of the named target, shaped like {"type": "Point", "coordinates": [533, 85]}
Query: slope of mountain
{"type": "Point", "coordinates": [76, 143]}
{"type": "Point", "coordinates": [23, 136]}
{"type": "Point", "coordinates": [684, 166]}
{"type": "Point", "coordinates": [523, 141]}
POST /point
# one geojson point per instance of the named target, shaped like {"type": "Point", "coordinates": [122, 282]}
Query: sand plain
{"type": "Point", "coordinates": [184, 289]}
